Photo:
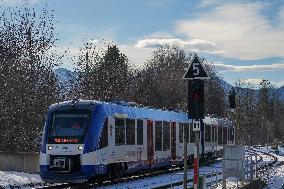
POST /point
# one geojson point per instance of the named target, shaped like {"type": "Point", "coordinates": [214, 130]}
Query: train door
{"type": "Point", "coordinates": [150, 143]}
{"type": "Point", "coordinates": [173, 140]}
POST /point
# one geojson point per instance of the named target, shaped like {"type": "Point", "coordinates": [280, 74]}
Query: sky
{"type": "Point", "coordinates": [243, 38]}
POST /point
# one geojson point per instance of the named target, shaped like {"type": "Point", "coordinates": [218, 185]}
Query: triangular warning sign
{"type": "Point", "coordinates": [195, 70]}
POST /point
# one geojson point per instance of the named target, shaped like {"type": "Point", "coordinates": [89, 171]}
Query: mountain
{"type": "Point", "coordinates": [226, 86]}
{"type": "Point", "coordinates": [281, 92]}
{"type": "Point", "coordinates": [66, 79]}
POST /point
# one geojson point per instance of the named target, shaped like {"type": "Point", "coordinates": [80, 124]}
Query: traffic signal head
{"type": "Point", "coordinates": [196, 99]}
{"type": "Point", "coordinates": [232, 98]}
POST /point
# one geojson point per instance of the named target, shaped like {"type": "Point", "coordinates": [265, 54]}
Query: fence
{"type": "Point", "coordinates": [251, 160]}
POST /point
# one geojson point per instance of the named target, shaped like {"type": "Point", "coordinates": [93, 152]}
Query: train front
{"type": "Point", "coordinates": [62, 143]}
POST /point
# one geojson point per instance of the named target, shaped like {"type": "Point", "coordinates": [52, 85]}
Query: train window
{"type": "Point", "coordinates": [229, 133]}
{"type": "Point", "coordinates": [213, 133]}
{"type": "Point", "coordinates": [186, 130]}
{"type": "Point", "coordinates": [158, 136]}
{"type": "Point", "coordinates": [166, 136]}
{"type": "Point", "coordinates": [225, 135]}
{"type": "Point", "coordinates": [130, 131]}
{"type": "Point", "coordinates": [119, 131]}
{"type": "Point", "coordinates": [180, 133]}
{"type": "Point", "coordinates": [220, 135]}
{"type": "Point", "coordinates": [232, 134]}
{"type": "Point", "coordinates": [139, 132]}
{"type": "Point", "coordinates": [192, 134]}
{"type": "Point", "coordinates": [104, 135]}
{"type": "Point", "coordinates": [69, 123]}
{"type": "Point", "coordinates": [207, 133]}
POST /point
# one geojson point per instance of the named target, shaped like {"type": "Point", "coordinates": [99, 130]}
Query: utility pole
{"type": "Point", "coordinates": [195, 74]}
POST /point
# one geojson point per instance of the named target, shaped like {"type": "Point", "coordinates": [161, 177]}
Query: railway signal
{"type": "Point", "coordinates": [196, 98]}
{"type": "Point", "coordinates": [195, 74]}
{"type": "Point", "coordinates": [232, 98]}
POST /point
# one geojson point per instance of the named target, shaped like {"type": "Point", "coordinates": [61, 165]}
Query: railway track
{"type": "Point", "coordinates": [266, 170]}
{"type": "Point", "coordinates": [271, 155]}
{"type": "Point", "coordinates": [126, 178]}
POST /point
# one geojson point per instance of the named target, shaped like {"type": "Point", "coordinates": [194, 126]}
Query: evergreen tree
{"type": "Point", "coordinates": [104, 74]}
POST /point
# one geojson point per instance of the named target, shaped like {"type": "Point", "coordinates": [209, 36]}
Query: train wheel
{"type": "Point", "coordinates": [115, 171]}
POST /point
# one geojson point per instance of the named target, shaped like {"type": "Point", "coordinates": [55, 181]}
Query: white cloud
{"type": "Point", "coordinates": [94, 41]}
{"type": "Point", "coordinates": [194, 44]}
{"type": "Point", "coordinates": [250, 68]}
{"type": "Point", "coordinates": [154, 43]}
{"type": "Point", "coordinates": [137, 56]}
{"type": "Point", "coordinates": [17, 2]}
{"type": "Point", "coordinates": [208, 3]}
{"type": "Point", "coordinates": [239, 29]}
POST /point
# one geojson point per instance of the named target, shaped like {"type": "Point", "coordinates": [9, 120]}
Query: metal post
{"type": "Point", "coordinates": [216, 178]}
{"type": "Point", "coordinates": [256, 175]}
{"type": "Point", "coordinates": [224, 184]}
{"type": "Point", "coordinates": [204, 186]}
{"type": "Point", "coordinates": [251, 168]}
{"type": "Point", "coordinates": [196, 161]}
{"type": "Point", "coordinates": [185, 160]}
{"type": "Point", "coordinates": [237, 183]}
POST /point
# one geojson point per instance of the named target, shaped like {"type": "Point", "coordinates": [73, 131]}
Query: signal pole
{"type": "Point", "coordinates": [185, 159]}
{"type": "Point", "coordinates": [196, 128]}
{"type": "Point", "coordinates": [196, 76]}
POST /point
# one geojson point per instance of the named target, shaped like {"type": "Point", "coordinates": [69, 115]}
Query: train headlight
{"type": "Point", "coordinates": [49, 147]}
{"type": "Point", "coordinates": [80, 147]}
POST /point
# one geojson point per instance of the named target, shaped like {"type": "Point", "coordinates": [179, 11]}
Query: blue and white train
{"type": "Point", "coordinates": [85, 139]}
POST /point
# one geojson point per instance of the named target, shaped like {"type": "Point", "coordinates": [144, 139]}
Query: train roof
{"type": "Point", "coordinates": [124, 110]}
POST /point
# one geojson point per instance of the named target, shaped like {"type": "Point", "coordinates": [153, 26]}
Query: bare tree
{"type": "Point", "coordinates": [258, 113]}
{"type": "Point", "coordinates": [160, 82]}
{"type": "Point", "coordinates": [27, 82]}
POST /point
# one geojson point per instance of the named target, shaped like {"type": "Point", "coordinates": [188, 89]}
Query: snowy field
{"type": "Point", "coordinates": [10, 180]}
{"type": "Point", "coordinates": [275, 175]}
{"type": "Point", "coordinates": [165, 179]}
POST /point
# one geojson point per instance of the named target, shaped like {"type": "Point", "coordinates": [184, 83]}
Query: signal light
{"type": "Point", "coordinates": [232, 98]}
{"type": "Point", "coordinates": [196, 99]}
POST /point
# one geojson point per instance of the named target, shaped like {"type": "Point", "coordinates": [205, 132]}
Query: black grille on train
{"type": "Point", "coordinates": [65, 164]}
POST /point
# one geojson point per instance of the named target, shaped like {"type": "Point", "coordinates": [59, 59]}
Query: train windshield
{"type": "Point", "coordinates": [69, 123]}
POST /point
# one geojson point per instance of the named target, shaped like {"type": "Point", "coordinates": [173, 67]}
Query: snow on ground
{"type": "Point", "coordinates": [11, 179]}
{"type": "Point", "coordinates": [276, 175]}
{"type": "Point", "coordinates": [165, 179]}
